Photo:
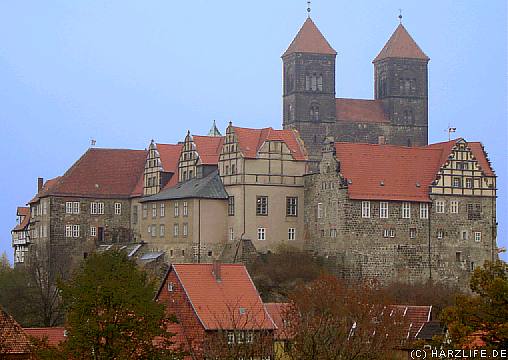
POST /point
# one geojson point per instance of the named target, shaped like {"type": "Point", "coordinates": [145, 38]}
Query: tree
{"type": "Point", "coordinates": [111, 313]}
{"type": "Point", "coordinates": [327, 319]}
{"type": "Point", "coordinates": [483, 315]}
{"type": "Point", "coordinates": [4, 261]}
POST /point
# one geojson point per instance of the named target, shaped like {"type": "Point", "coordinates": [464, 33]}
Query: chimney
{"type": "Point", "coordinates": [216, 271]}
{"type": "Point", "coordinates": [40, 182]}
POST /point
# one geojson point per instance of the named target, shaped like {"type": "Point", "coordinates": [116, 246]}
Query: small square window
{"type": "Point", "coordinates": [291, 233]}
{"type": "Point", "coordinates": [477, 236]}
{"type": "Point", "coordinates": [118, 209]}
{"type": "Point", "coordinates": [412, 233]}
{"type": "Point", "coordinates": [261, 234]}
{"type": "Point", "coordinates": [262, 205]}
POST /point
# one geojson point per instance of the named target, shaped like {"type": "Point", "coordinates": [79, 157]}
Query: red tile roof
{"type": "Point", "coordinates": [25, 212]}
{"type": "Point", "coordinates": [169, 156]}
{"type": "Point", "coordinates": [309, 40]}
{"type": "Point", "coordinates": [54, 335]}
{"type": "Point", "coordinates": [102, 173]}
{"type": "Point", "coordinates": [401, 45]}
{"type": "Point", "coordinates": [208, 148]}
{"type": "Point", "coordinates": [414, 317]}
{"type": "Point", "coordinates": [277, 313]}
{"type": "Point", "coordinates": [359, 110]}
{"type": "Point", "coordinates": [251, 140]}
{"type": "Point", "coordinates": [46, 189]}
{"type": "Point", "coordinates": [389, 172]}
{"type": "Point", "coordinates": [231, 303]}
{"type": "Point", "coordinates": [13, 338]}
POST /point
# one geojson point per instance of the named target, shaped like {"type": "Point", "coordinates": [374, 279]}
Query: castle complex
{"type": "Point", "coordinates": [351, 180]}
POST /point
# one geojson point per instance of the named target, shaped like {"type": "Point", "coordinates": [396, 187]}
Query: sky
{"type": "Point", "coordinates": [124, 72]}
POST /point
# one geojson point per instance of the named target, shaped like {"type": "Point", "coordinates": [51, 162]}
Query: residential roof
{"type": "Point", "coordinates": [101, 173]}
{"type": "Point", "coordinates": [54, 335]}
{"type": "Point", "coordinates": [401, 45]}
{"type": "Point", "coordinates": [25, 212]}
{"type": "Point", "coordinates": [429, 330]}
{"type": "Point", "coordinates": [415, 317]}
{"type": "Point", "coordinates": [14, 339]}
{"type": "Point", "coordinates": [231, 303]}
{"type": "Point", "coordinates": [360, 110]}
{"type": "Point", "coordinates": [276, 311]}
{"type": "Point", "coordinates": [251, 140]}
{"type": "Point", "coordinates": [309, 40]}
{"type": "Point", "coordinates": [46, 189]}
{"type": "Point", "coordinates": [208, 148]}
{"type": "Point", "coordinates": [208, 187]}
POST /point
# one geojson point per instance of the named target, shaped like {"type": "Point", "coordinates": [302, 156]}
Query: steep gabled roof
{"type": "Point", "coordinates": [401, 45]}
{"type": "Point", "coordinates": [14, 340]}
{"type": "Point", "coordinates": [25, 212]}
{"type": "Point", "coordinates": [208, 148]}
{"type": "Point", "coordinates": [251, 140]}
{"type": "Point", "coordinates": [360, 110]}
{"type": "Point", "coordinates": [309, 40]}
{"type": "Point", "coordinates": [231, 303]}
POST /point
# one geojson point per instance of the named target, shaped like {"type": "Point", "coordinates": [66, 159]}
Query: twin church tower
{"type": "Point", "coordinates": [397, 115]}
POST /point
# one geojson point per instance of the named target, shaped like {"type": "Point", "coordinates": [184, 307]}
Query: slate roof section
{"type": "Point", "coordinates": [309, 40]}
{"type": "Point", "coordinates": [208, 148]}
{"type": "Point", "coordinates": [231, 303]}
{"type": "Point", "coordinates": [14, 340]}
{"type": "Point", "coordinates": [251, 140]}
{"type": "Point", "coordinates": [209, 187]}
{"type": "Point", "coordinates": [360, 110]}
{"type": "Point", "coordinates": [54, 335]}
{"type": "Point", "coordinates": [401, 45]}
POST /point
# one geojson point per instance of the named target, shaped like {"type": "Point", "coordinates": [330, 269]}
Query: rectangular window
{"type": "Point", "coordinates": [100, 208]}
{"type": "Point", "coordinates": [231, 234]}
{"type": "Point", "coordinates": [118, 209]}
{"type": "Point", "coordinates": [44, 207]}
{"type": "Point", "coordinates": [185, 229]}
{"type": "Point", "coordinates": [233, 169]}
{"type": "Point", "coordinates": [386, 233]}
{"type": "Point", "coordinates": [75, 207]}
{"type": "Point", "coordinates": [474, 211]}
{"type": "Point", "coordinates": [68, 207]}
{"type": "Point", "coordinates": [333, 233]}
{"type": "Point", "coordinates": [456, 182]}
{"type": "Point", "coordinates": [162, 210]}
{"type": "Point", "coordinates": [154, 230]}
{"type": "Point", "coordinates": [440, 206]}
{"type": "Point", "coordinates": [75, 231]}
{"type": "Point", "coordinates": [454, 207]}
{"type": "Point", "coordinates": [383, 210]}
{"type": "Point", "coordinates": [406, 210]}
{"type": "Point", "coordinates": [261, 234]}
{"type": "Point", "coordinates": [176, 208]}
{"type": "Point", "coordinates": [464, 235]}
{"type": "Point", "coordinates": [162, 230]}
{"type": "Point", "coordinates": [458, 256]}
{"type": "Point", "coordinates": [185, 209]}
{"type": "Point", "coordinates": [424, 211]}
{"type": "Point", "coordinates": [68, 231]}
{"type": "Point", "coordinates": [149, 229]}
{"type": "Point", "coordinates": [231, 206]}
{"type": "Point", "coordinates": [319, 210]}
{"type": "Point", "coordinates": [440, 234]}
{"type": "Point", "coordinates": [412, 233]}
{"type": "Point", "coordinates": [469, 183]}
{"type": "Point", "coordinates": [175, 230]}
{"type": "Point", "coordinates": [134, 214]}
{"type": "Point", "coordinates": [93, 231]}
{"type": "Point", "coordinates": [392, 233]}
{"type": "Point", "coordinates": [291, 206]}
{"type": "Point", "coordinates": [291, 233]}
{"type": "Point", "coordinates": [262, 205]}
{"type": "Point", "coordinates": [231, 337]}
{"type": "Point", "coordinates": [477, 236]}
{"type": "Point", "coordinates": [154, 210]}
{"type": "Point", "coordinates": [145, 211]}
{"type": "Point", "coordinates": [365, 209]}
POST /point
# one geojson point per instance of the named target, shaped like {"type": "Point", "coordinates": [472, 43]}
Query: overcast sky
{"type": "Point", "coordinates": [124, 72]}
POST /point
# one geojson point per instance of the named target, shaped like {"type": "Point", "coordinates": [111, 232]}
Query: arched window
{"type": "Point", "coordinates": [314, 112]}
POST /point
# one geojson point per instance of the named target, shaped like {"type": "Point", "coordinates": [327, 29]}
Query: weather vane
{"type": "Point", "coordinates": [400, 16]}
{"type": "Point", "coordinates": [308, 8]}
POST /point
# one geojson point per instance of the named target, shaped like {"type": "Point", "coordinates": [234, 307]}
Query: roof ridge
{"type": "Point", "coordinates": [401, 45]}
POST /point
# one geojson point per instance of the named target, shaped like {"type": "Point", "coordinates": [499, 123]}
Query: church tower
{"type": "Point", "coordinates": [400, 74]}
{"type": "Point", "coordinates": [309, 87]}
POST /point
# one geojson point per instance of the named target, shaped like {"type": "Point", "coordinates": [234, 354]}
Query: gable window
{"type": "Point", "coordinates": [406, 210]}
{"type": "Point", "coordinates": [118, 209]}
{"type": "Point", "coordinates": [262, 205]}
{"type": "Point", "coordinates": [454, 207]}
{"type": "Point", "coordinates": [176, 209]}
{"type": "Point", "coordinates": [261, 234]}
{"type": "Point", "coordinates": [291, 206]}
{"type": "Point", "coordinates": [162, 210]}
{"type": "Point", "coordinates": [424, 211]}
{"type": "Point", "coordinates": [231, 206]}
{"type": "Point", "coordinates": [469, 183]}
{"type": "Point", "coordinates": [291, 233]}
{"type": "Point", "coordinates": [365, 209]}
{"type": "Point", "coordinates": [383, 210]}
{"type": "Point", "coordinates": [233, 169]}
{"type": "Point", "coordinates": [185, 209]}
{"type": "Point", "coordinates": [440, 206]}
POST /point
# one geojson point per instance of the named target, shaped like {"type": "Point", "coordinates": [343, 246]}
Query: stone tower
{"type": "Point", "coordinates": [400, 73]}
{"type": "Point", "coordinates": [309, 87]}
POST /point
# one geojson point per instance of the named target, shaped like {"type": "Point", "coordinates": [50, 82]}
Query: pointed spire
{"type": "Point", "coordinates": [310, 40]}
{"type": "Point", "coordinates": [214, 131]}
{"type": "Point", "coordinates": [401, 45]}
